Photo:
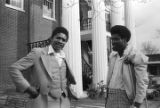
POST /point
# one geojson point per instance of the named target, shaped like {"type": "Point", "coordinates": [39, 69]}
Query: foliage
{"type": "Point", "coordinates": [98, 91]}
{"type": "Point", "coordinates": [149, 48]}
{"type": "Point", "coordinates": [153, 90]}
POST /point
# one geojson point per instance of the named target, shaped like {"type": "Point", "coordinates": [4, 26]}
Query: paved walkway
{"type": "Point", "coordinates": [82, 103]}
{"type": "Point", "coordinates": [100, 103]}
{"type": "Point", "coordinates": [88, 103]}
{"type": "Point", "coordinates": [155, 103]}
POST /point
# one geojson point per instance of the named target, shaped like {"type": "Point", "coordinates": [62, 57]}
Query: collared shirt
{"type": "Point", "coordinates": [59, 56]}
{"type": "Point", "coordinates": [116, 81]}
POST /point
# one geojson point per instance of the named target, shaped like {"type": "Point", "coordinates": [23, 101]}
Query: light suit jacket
{"type": "Point", "coordinates": [135, 76]}
{"type": "Point", "coordinates": [38, 58]}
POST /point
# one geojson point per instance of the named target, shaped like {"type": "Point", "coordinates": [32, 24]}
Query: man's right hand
{"type": "Point", "coordinates": [32, 91]}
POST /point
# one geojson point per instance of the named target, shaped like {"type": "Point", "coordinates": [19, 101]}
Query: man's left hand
{"type": "Point", "coordinates": [133, 106]}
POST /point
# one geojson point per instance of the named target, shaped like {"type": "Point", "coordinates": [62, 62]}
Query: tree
{"type": "Point", "coordinates": [158, 34]}
{"type": "Point", "coordinates": [149, 48]}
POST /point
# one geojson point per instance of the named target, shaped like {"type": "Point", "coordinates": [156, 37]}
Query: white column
{"type": "Point", "coordinates": [70, 20]}
{"type": "Point", "coordinates": [99, 42]}
{"type": "Point", "coordinates": [130, 20]}
{"type": "Point", "coordinates": [117, 12]}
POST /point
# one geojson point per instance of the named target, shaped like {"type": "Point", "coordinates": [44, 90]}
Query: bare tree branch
{"type": "Point", "coordinates": [149, 48]}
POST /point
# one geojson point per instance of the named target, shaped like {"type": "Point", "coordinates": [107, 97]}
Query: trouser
{"type": "Point", "coordinates": [117, 98]}
{"type": "Point", "coordinates": [62, 102]}
{"type": "Point", "coordinates": [45, 101]}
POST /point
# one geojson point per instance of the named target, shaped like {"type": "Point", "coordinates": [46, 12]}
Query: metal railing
{"type": "Point", "coordinates": [48, 3]}
{"type": "Point", "coordinates": [38, 44]}
{"type": "Point", "coordinates": [86, 24]}
{"type": "Point", "coordinates": [86, 68]}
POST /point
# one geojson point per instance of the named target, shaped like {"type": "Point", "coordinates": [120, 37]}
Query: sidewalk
{"type": "Point", "coordinates": [154, 103]}
{"type": "Point", "coordinates": [100, 103]}
{"type": "Point", "coordinates": [81, 103]}
{"type": "Point", "coordinates": [88, 103]}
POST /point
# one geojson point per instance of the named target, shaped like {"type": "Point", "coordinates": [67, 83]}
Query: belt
{"type": "Point", "coordinates": [114, 91]}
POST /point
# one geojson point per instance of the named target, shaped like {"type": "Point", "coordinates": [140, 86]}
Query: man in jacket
{"type": "Point", "coordinates": [51, 75]}
{"type": "Point", "coordinates": [127, 80]}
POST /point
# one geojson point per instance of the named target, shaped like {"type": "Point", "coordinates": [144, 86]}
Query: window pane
{"type": "Point", "coordinates": [16, 3]}
{"type": "Point", "coordinates": [49, 8]}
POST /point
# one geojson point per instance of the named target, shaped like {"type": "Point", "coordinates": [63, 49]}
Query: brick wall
{"type": "Point", "coordinates": [41, 28]}
{"type": "Point", "coordinates": [13, 37]}
{"type": "Point", "coordinates": [17, 28]}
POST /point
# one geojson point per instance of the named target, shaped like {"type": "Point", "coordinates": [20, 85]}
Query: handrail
{"type": "Point", "coordinates": [86, 66]}
{"type": "Point", "coordinates": [87, 74]}
{"type": "Point", "coordinates": [42, 43]}
{"type": "Point", "coordinates": [86, 24]}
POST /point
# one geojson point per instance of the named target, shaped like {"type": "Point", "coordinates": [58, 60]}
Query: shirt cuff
{"type": "Point", "coordinates": [137, 105]}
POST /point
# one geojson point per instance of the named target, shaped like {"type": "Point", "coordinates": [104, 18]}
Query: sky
{"type": "Point", "coordinates": [147, 21]}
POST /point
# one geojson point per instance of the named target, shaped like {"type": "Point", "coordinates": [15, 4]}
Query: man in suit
{"type": "Point", "coordinates": [127, 80]}
{"type": "Point", "coordinates": [50, 76]}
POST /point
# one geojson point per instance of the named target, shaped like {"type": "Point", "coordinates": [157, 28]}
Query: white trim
{"type": "Point", "coordinates": [53, 18]}
{"type": "Point", "coordinates": [153, 62]}
{"type": "Point", "coordinates": [49, 18]}
{"type": "Point", "coordinates": [85, 32]}
{"type": "Point", "coordinates": [54, 9]}
{"type": "Point", "coordinates": [22, 5]}
{"type": "Point", "coordinates": [14, 7]}
{"type": "Point", "coordinates": [108, 34]}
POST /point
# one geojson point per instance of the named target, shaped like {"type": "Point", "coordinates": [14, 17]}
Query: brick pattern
{"type": "Point", "coordinates": [17, 29]}
{"type": "Point", "coordinates": [13, 39]}
{"type": "Point", "coordinates": [42, 27]}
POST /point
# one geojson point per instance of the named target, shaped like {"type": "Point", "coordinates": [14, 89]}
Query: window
{"type": "Point", "coordinates": [16, 4]}
{"type": "Point", "coordinates": [49, 9]}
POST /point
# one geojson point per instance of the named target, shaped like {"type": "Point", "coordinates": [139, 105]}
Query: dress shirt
{"type": "Point", "coordinates": [59, 56]}
{"type": "Point", "coordinates": [116, 81]}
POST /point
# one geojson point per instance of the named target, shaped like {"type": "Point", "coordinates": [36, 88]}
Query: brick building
{"type": "Point", "coordinates": [31, 21]}
{"type": "Point", "coordinates": [23, 22]}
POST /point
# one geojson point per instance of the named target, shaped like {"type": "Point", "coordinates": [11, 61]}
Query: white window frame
{"type": "Point", "coordinates": [21, 8]}
{"type": "Point", "coordinates": [49, 17]}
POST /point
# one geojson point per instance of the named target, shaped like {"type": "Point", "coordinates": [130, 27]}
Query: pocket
{"type": "Point", "coordinates": [55, 93]}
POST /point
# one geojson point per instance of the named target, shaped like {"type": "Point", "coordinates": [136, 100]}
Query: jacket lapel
{"type": "Point", "coordinates": [45, 58]}
{"type": "Point", "coordinates": [46, 62]}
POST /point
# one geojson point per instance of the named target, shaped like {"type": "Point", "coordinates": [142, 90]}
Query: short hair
{"type": "Point", "coordinates": [59, 30]}
{"type": "Point", "coordinates": [123, 31]}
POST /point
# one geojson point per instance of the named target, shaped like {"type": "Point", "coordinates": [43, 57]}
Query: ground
{"type": "Point", "coordinates": [100, 103]}
{"type": "Point", "coordinates": [81, 103]}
